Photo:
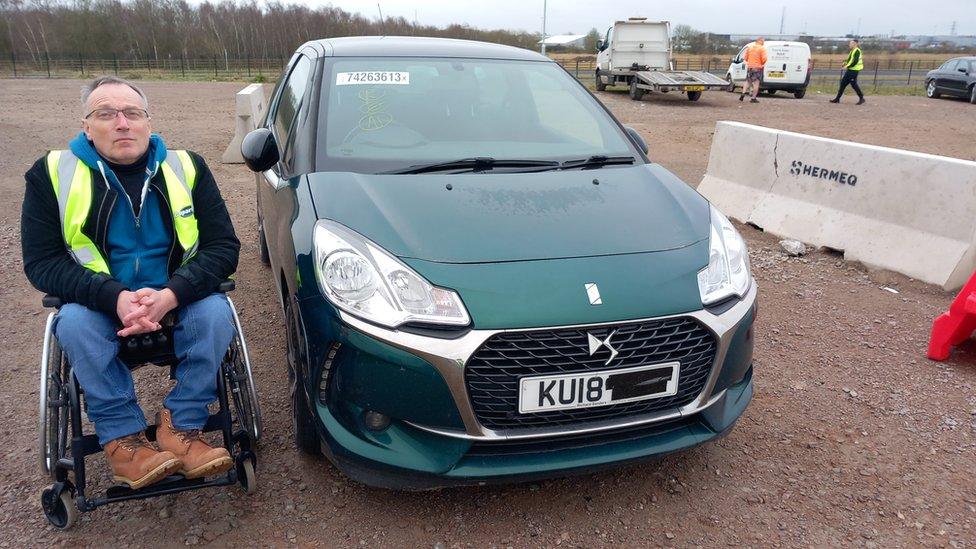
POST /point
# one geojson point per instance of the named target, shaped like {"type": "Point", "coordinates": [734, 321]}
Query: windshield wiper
{"type": "Point", "coordinates": [596, 161]}
{"type": "Point", "coordinates": [477, 164]}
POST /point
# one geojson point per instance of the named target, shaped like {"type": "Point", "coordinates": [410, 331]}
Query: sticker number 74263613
{"type": "Point", "coordinates": [373, 77]}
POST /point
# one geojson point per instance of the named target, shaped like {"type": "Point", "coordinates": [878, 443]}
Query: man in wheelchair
{"type": "Point", "coordinates": [126, 232]}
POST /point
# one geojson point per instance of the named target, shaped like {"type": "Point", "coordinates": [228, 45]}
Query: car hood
{"type": "Point", "coordinates": [496, 217]}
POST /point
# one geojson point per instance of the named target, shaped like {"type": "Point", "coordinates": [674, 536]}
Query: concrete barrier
{"type": "Point", "coordinates": [250, 109]}
{"type": "Point", "coordinates": [908, 212]}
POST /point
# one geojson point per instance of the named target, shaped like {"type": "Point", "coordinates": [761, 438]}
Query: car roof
{"type": "Point", "coordinates": [414, 46]}
{"type": "Point", "coordinates": [782, 43]}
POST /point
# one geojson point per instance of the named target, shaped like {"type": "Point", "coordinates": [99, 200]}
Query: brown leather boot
{"type": "Point", "coordinates": [199, 458]}
{"type": "Point", "coordinates": [135, 462]}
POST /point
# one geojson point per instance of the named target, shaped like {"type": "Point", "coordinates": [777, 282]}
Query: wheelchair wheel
{"type": "Point", "coordinates": [241, 389]}
{"type": "Point", "coordinates": [54, 403]}
{"type": "Point", "coordinates": [246, 476]}
{"type": "Point", "coordinates": [58, 508]}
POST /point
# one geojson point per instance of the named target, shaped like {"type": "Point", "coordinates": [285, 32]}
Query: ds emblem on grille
{"type": "Point", "coordinates": [595, 345]}
{"type": "Point", "coordinates": [593, 292]}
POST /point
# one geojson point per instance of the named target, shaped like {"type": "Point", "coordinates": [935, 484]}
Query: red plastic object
{"type": "Point", "coordinates": [955, 326]}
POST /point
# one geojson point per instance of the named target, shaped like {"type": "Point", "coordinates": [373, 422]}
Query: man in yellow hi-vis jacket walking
{"type": "Point", "coordinates": [852, 67]}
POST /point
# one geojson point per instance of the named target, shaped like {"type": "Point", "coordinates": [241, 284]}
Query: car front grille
{"type": "Point", "coordinates": [493, 372]}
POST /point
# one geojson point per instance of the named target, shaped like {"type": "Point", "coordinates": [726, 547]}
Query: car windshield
{"type": "Point", "coordinates": [388, 114]}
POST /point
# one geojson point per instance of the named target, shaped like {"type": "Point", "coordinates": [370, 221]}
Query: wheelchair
{"type": "Point", "coordinates": [64, 444]}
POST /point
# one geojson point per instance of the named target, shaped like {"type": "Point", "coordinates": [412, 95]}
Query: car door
{"type": "Point", "coordinates": [943, 77]}
{"type": "Point", "coordinates": [277, 186]}
{"type": "Point", "coordinates": [738, 67]}
{"type": "Point", "coordinates": [957, 78]}
{"type": "Point", "coordinates": [603, 57]}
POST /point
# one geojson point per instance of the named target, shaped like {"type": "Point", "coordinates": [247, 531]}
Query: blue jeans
{"type": "Point", "coordinates": [201, 335]}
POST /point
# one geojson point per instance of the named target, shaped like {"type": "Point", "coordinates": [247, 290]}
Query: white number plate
{"type": "Point", "coordinates": [589, 389]}
{"type": "Point", "coordinates": [373, 77]}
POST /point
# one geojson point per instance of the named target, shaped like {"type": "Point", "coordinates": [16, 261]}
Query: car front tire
{"type": "Point", "coordinates": [930, 90]}
{"type": "Point", "coordinates": [972, 94]}
{"type": "Point", "coordinates": [731, 86]}
{"type": "Point", "coordinates": [600, 86]}
{"type": "Point", "coordinates": [306, 438]}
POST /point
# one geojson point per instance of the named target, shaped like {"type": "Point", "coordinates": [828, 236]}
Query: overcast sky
{"type": "Point", "coordinates": [821, 17]}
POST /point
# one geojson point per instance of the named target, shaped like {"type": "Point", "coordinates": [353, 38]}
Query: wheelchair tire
{"type": "Point", "coordinates": [241, 382]}
{"type": "Point", "coordinates": [241, 391]}
{"type": "Point", "coordinates": [59, 510]}
{"type": "Point", "coordinates": [55, 405]}
{"type": "Point", "coordinates": [246, 476]}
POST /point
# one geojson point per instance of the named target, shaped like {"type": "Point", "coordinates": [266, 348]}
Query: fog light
{"type": "Point", "coordinates": [376, 421]}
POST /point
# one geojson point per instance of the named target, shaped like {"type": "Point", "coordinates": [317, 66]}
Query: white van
{"type": "Point", "coordinates": [787, 68]}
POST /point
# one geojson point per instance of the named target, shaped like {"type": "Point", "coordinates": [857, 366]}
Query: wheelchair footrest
{"type": "Point", "coordinates": [169, 485]}
{"type": "Point", "coordinates": [172, 481]}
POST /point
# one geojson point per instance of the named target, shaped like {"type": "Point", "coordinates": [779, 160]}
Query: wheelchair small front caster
{"type": "Point", "coordinates": [245, 475]}
{"type": "Point", "coordinates": [58, 507]}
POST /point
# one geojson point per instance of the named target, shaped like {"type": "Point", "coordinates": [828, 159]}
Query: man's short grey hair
{"type": "Point", "coordinates": [88, 88]}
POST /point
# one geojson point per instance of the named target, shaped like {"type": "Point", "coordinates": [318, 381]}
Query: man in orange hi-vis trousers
{"type": "Point", "coordinates": [755, 59]}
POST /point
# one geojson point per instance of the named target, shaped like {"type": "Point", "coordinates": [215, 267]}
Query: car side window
{"type": "Point", "coordinates": [741, 55]}
{"type": "Point", "coordinates": [288, 107]}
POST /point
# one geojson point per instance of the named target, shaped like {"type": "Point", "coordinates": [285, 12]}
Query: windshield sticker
{"type": "Point", "coordinates": [374, 110]}
{"type": "Point", "coordinates": [373, 77]}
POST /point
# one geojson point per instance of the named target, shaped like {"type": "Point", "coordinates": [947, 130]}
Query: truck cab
{"type": "Point", "coordinates": [636, 40]}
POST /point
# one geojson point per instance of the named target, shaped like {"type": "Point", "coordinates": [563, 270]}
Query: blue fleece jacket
{"type": "Point", "coordinates": [138, 247]}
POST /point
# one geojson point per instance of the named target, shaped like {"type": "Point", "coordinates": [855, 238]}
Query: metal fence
{"type": "Point", "coordinates": [887, 72]}
{"type": "Point", "coordinates": [190, 68]}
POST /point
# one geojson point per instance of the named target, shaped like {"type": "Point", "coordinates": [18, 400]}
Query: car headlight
{"type": "Point", "coordinates": [727, 273]}
{"type": "Point", "coordinates": [363, 279]}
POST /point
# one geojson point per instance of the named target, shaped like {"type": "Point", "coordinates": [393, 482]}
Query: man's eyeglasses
{"type": "Point", "coordinates": [108, 115]}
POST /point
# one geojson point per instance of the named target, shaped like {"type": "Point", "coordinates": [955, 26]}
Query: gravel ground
{"type": "Point", "coordinates": [853, 437]}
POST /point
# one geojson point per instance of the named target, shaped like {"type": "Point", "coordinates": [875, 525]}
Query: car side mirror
{"type": "Point", "coordinates": [599, 45]}
{"type": "Point", "coordinates": [259, 150]}
{"type": "Point", "coordinates": [636, 138]}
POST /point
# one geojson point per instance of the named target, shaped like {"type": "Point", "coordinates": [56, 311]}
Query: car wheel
{"type": "Point", "coordinates": [635, 93]}
{"type": "Point", "coordinates": [694, 96]}
{"type": "Point", "coordinates": [972, 94]}
{"type": "Point", "coordinates": [263, 244]}
{"type": "Point", "coordinates": [800, 93]}
{"type": "Point", "coordinates": [930, 90]}
{"type": "Point", "coordinates": [306, 438]}
{"type": "Point", "coordinates": [600, 86]}
{"type": "Point", "coordinates": [770, 92]}
{"type": "Point", "coordinates": [731, 87]}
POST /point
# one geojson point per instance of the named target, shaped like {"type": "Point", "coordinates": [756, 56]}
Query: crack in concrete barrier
{"type": "Point", "coordinates": [775, 156]}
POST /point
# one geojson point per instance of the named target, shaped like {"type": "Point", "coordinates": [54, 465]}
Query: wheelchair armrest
{"type": "Point", "coordinates": [51, 301]}
{"type": "Point", "coordinates": [226, 286]}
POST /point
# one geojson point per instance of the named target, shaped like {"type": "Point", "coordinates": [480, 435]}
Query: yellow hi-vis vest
{"type": "Point", "coordinates": [860, 60]}
{"type": "Point", "coordinates": [72, 181]}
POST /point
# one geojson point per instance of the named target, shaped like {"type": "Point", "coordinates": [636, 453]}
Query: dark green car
{"type": "Point", "coordinates": [483, 277]}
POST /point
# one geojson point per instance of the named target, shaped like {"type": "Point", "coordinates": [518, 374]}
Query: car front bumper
{"type": "Point", "coordinates": [435, 438]}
